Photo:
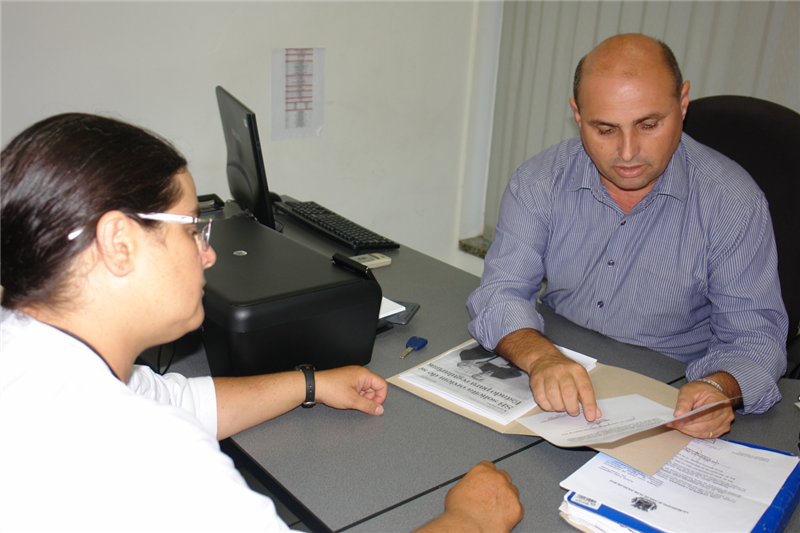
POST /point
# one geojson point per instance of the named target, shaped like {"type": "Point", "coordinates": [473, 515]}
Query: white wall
{"type": "Point", "coordinates": [408, 96]}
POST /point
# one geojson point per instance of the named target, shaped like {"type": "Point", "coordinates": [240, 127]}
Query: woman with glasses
{"type": "Point", "coordinates": [102, 258]}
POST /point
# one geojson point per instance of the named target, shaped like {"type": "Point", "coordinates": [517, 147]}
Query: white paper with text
{"type": "Point", "coordinates": [298, 92]}
{"type": "Point", "coordinates": [481, 381]}
{"type": "Point", "coordinates": [711, 485]}
{"type": "Point", "coordinates": [621, 416]}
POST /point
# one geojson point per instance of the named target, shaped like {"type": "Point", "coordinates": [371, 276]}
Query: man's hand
{"type": "Point", "coordinates": [351, 387]}
{"type": "Point", "coordinates": [558, 383]}
{"type": "Point", "coordinates": [483, 501]}
{"type": "Point", "coordinates": [713, 422]}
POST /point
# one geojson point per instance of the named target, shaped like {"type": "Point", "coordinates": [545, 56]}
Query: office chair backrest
{"type": "Point", "coordinates": [764, 138]}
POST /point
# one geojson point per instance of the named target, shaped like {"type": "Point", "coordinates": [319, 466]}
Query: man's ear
{"type": "Point", "coordinates": [116, 242]}
{"type": "Point", "coordinates": [574, 105]}
{"type": "Point", "coordinates": [685, 97]}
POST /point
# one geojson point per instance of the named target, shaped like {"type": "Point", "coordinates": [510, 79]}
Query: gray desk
{"type": "Point", "coordinates": [538, 470]}
{"type": "Point", "coordinates": [343, 470]}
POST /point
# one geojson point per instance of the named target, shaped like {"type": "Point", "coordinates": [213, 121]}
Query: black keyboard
{"type": "Point", "coordinates": [336, 227]}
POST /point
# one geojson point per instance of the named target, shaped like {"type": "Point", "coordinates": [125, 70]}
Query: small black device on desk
{"type": "Point", "coordinates": [210, 203]}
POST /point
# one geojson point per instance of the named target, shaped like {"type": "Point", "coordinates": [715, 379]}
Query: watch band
{"type": "Point", "coordinates": [308, 372]}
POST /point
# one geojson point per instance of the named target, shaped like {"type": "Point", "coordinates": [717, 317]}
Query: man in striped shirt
{"type": "Point", "coordinates": [644, 235]}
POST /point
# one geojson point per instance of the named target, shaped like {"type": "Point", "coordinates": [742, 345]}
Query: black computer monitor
{"type": "Point", "coordinates": [247, 179]}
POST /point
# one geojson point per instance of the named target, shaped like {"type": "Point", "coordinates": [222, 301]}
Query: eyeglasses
{"type": "Point", "coordinates": [202, 237]}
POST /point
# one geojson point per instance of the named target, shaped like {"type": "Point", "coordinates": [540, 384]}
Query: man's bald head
{"type": "Point", "coordinates": [629, 55]}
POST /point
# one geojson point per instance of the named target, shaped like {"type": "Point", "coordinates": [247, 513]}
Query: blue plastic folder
{"type": "Point", "coordinates": [773, 520]}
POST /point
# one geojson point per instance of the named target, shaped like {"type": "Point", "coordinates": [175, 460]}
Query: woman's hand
{"type": "Point", "coordinates": [351, 387]}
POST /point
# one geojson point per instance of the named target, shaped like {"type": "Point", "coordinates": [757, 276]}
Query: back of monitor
{"type": "Point", "coordinates": [247, 179]}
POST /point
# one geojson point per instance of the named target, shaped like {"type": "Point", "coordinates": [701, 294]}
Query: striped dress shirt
{"type": "Point", "coordinates": [690, 271]}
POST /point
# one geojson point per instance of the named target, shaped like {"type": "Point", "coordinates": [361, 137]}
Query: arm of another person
{"type": "Point", "coordinates": [483, 501]}
{"type": "Point", "coordinates": [244, 402]}
{"type": "Point", "coordinates": [503, 308]}
{"type": "Point", "coordinates": [230, 405]}
{"type": "Point", "coordinates": [747, 353]}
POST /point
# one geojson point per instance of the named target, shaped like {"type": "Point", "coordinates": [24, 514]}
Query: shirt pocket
{"type": "Point", "coordinates": [669, 301]}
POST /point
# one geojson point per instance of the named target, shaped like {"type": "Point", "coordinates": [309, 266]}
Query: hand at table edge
{"type": "Point", "coordinates": [484, 501]}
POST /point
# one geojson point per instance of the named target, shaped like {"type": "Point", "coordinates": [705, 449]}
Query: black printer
{"type": "Point", "coordinates": [272, 303]}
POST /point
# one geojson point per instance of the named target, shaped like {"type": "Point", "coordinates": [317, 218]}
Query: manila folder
{"type": "Point", "coordinates": [646, 451]}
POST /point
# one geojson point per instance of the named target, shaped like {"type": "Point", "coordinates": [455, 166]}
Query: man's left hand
{"type": "Point", "coordinates": [713, 422]}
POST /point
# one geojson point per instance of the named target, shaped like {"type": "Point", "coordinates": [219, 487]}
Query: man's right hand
{"type": "Point", "coordinates": [558, 383]}
{"type": "Point", "coordinates": [483, 501]}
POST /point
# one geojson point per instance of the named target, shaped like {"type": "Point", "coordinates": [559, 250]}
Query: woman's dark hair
{"type": "Point", "coordinates": [61, 175]}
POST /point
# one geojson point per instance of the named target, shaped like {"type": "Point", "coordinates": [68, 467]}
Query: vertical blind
{"type": "Point", "coordinates": [746, 48]}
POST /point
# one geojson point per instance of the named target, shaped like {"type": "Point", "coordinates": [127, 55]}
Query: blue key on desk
{"type": "Point", "coordinates": [413, 344]}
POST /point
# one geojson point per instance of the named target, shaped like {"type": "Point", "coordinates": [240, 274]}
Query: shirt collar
{"type": "Point", "coordinates": [585, 173]}
{"type": "Point", "coordinates": [673, 182]}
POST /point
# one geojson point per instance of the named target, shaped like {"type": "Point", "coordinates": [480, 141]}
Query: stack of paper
{"type": "Point", "coordinates": [711, 485]}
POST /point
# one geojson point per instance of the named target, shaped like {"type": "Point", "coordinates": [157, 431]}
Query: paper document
{"type": "Point", "coordinates": [481, 381]}
{"type": "Point", "coordinates": [389, 308]}
{"type": "Point", "coordinates": [298, 92]}
{"type": "Point", "coordinates": [711, 485]}
{"type": "Point", "coordinates": [622, 416]}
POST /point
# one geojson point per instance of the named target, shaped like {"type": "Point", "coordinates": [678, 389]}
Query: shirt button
{"type": "Point", "coordinates": [622, 223]}
{"type": "Point", "coordinates": [600, 304]}
{"type": "Point", "coordinates": [610, 262]}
